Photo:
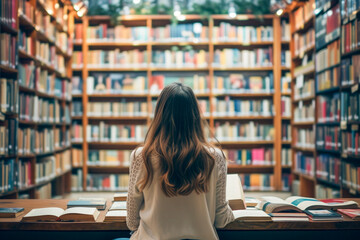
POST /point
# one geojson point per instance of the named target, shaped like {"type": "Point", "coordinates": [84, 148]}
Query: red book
{"type": "Point", "coordinates": [354, 214]}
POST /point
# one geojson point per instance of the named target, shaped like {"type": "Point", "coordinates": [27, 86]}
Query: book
{"type": "Point", "coordinates": [304, 138]}
{"type": "Point", "coordinates": [254, 156]}
{"type": "Point", "coordinates": [251, 216]}
{"type": "Point", "coordinates": [11, 212]}
{"type": "Point", "coordinates": [324, 215]}
{"type": "Point", "coordinates": [289, 217]}
{"type": "Point", "coordinates": [354, 214]}
{"type": "Point", "coordinates": [323, 191]}
{"type": "Point", "coordinates": [118, 205]}
{"type": "Point", "coordinates": [119, 33]}
{"type": "Point", "coordinates": [234, 192]}
{"type": "Point", "coordinates": [108, 182]}
{"type": "Point", "coordinates": [115, 216]}
{"type": "Point", "coordinates": [257, 182]}
{"type": "Point", "coordinates": [126, 107]}
{"type": "Point", "coordinates": [176, 58]}
{"type": "Point", "coordinates": [8, 50]}
{"type": "Point", "coordinates": [99, 204]}
{"type": "Point", "coordinates": [109, 158]}
{"type": "Point", "coordinates": [328, 138]}
{"type": "Point", "coordinates": [194, 32]}
{"type": "Point", "coordinates": [77, 180]}
{"type": "Point", "coordinates": [304, 164]}
{"type": "Point", "coordinates": [271, 204]}
{"type": "Point", "coordinates": [328, 168]}
{"type": "Point", "coordinates": [120, 196]}
{"type": "Point", "coordinates": [117, 58]}
{"type": "Point", "coordinates": [251, 201]}
{"type": "Point", "coordinates": [304, 112]}
{"type": "Point", "coordinates": [228, 106]}
{"type": "Point", "coordinates": [52, 214]}
{"type": "Point", "coordinates": [350, 176]}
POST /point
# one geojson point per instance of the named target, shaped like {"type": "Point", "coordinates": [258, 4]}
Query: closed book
{"type": "Point", "coordinates": [324, 215]}
{"type": "Point", "coordinates": [121, 205]}
{"type": "Point", "coordinates": [234, 192]}
{"type": "Point", "coordinates": [100, 205]}
{"type": "Point", "coordinates": [10, 212]}
{"type": "Point", "coordinates": [252, 215]}
{"type": "Point", "coordinates": [289, 217]}
{"type": "Point", "coordinates": [115, 216]}
{"type": "Point", "coordinates": [354, 214]}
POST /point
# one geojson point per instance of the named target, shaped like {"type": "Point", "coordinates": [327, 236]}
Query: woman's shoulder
{"type": "Point", "coordinates": [217, 153]}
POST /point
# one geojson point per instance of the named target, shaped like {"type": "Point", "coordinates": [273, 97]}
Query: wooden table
{"type": "Point", "coordinates": [12, 228]}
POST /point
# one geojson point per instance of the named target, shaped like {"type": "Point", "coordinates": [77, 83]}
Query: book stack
{"type": "Point", "coordinates": [328, 108]}
{"type": "Point", "coordinates": [250, 131]}
{"type": "Point", "coordinates": [305, 138]}
{"type": "Point", "coordinates": [304, 164]}
{"type": "Point", "coordinates": [181, 32]}
{"type": "Point", "coordinates": [328, 168]}
{"type": "Point", "coordinates": [45, 169]}
{"type": "Point", "coordinates": [199, 83]}
{"type": "Point", "coordinates": [115, 133]}
{"type": "Point", "coordinates": [255, 156]}
{"type": "Point", "coordinates": [107, 182]}
{"type": "Point", "coordinates": [233, 57]}
{"type": "Point", "coordinates": [117, 58]}
{"type": "Point", "coordinates": [123, 108]}
{"type": "Point", "coordinates": [109, 158]}
{"type": "Point", "coordinates": [242, 83]}
{"type": "Point", "coordinates": [77, 157]}
{"type": "Point", "coordinates": [240, 107]}
{"type": "Point", "coordinates": [227, 32]}
{"type": "Point", "coordinates": [305, 112]}
{"type": "Point", "coordinates": [116, 83]}
{"type": "Point", "coordinates": [7, 181]}
{"type": "Point", "coordinates": [257, 182]}
{"type": "Point", "coordinates": [8, 47]}
{"type": "Point", "coordinates": [119, 33]}
{"type": "Point", "coordinates": [25, 174]}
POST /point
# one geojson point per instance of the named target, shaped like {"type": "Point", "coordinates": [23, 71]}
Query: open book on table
{"type": "Point", "coordinates": [52, 214]}
{"type": "Point", "coordinates": [298, 204]}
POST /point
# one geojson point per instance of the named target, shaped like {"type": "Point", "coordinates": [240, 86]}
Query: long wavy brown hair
{"type": "Point", "coordinates": [176, 136]}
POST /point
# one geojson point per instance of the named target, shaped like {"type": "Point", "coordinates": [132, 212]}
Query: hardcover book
{"type": "Point", "coordinates": [10, 212]}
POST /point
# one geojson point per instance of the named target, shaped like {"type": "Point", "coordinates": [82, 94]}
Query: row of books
{"type": "Point", "coordinates": [350, 176]}
{"type": "Point", "coordinates": [286, 83]}
{"type": "Point", "coordinates": [328, 79]}
{"type": "Point", "coordinates": [328, 138]}
{"type": "Point", "coordinates": [63, 42]}
{"type": "Point", "coordinates": [63, 162]}
{"type": "Point", "coordinates": [255, 156]}
{"type": "Point", "coordinates": [303, 42]}
{"type": "Point", "coordinates": [303, 14]}
{"type": "Point", "coordinates": [8, 13]}
{"type": "Point", "coordinates": [31, 141]}
{"type": "Point", "coordinates": [42, 110]}
{"type": "Point", "coordinates": [199, 83]}
{"type": "Point", "coordinates": [8, 53]}
{"type": "Point", "coordinates": [180, 58]}
{"type": "Point", "coordinates": [9, 102]}
{"type": "Point", "coordinates": [77, 58]}
{"type": "Point", "coordinates": [117, 59]}
{"type": "Point", "coordinates": [8, 176]}
{"type": "Point", "coordinates": [328, 168]}
{"type": "Point", "coordinates": [304, 88]}
{"type": "Point", "coordinates": [27, 74]}
{"type": "Point", "coordinates": [350, 143]}
{"type": "Point", "coordinates": [196, 32]}
{"type": "Point", "coordinates": [45, 169]}
{"type": "Point", "coordinates": [77, 157]}
{"type": "Point", "coordinates": [46, 53]}
{"type": "Point", "coordinates": [107, 182]}
{"type": "Point", "coordinates": [285, 31]}
{"type": "Point", "coordinates": [285, 106]}
{"type": "Point", "coordinates": [227, 32]}
{"type": "Point", "coordinates": [349, 71]}
{"type": "Point", "coordinates": [25, 174]}
{"type": "Point", "coordinates": [286, 132]}
{"type": "Point", "coordinates": [26, 43]}
{"type": "Point", "coordinates": [77, 180]}
{"type": "Point", "coordinates": [234, 57]}
{"type": "Point", "coordinates": [62, 138]}
{"type": "Point", "coordinates": [77, 132]}
{"type": "Point", "coordinates": [286, 182]}
{"type": "Point", "coordinates": [328, 108]}
{"type": "Point", "coordinates": [119, 33]}
{"type": "Point", "coordinates": [286, 58]}
{"type": "Point", "coordinates": [304, 164]}
{"type": "Point", "coordinates": [44, 25]}
{"type": "Point", "coordinates": [307, 65]}
{"type": "Point", "coordinates": [77, 108]}
{"type": "Point", "coordinates": [115, 133]}
{"type": "Point", "coordinates": [257, 182]}
{"type": "Point", "coordinates": [327, 26]}
{"type": "Point", "coordinates": [348, 7]}
{"type": "Point", "coordinates": [286, 156]}
{"type": "Point", "coordinates": [305, 138]}
{"type": "Point", "coordinates": [350, 36]}
{"type": "Point", "coordinates": [350, 110]}
{"type": "Point", "coordinates": [8, 138]}
{"type": "Point", "coordinates": [109, 158]}
{"type": "Point", "coordinates": [44, 192]}
{"type": "Point", "coordinates": [305, 112]}
{"type": "Point", "coordinates": [250, 131]}
{"type": "Point", "coordinates": [239, 107]}
{"type": "Point", "coordinates": [324, 192]}
{"type": "Point", "coordinates": [328, 57]}
{"type": "Point", "coordinates": [121, 108]}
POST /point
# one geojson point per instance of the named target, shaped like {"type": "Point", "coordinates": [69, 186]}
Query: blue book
{"type": "Point", "coordinates": [10, 212]}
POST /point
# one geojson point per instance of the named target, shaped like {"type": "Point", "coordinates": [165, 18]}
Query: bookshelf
{"type": "Point", "coordinates": [206, 75]}
{"type": "Point", "coordinates": [40, 73]}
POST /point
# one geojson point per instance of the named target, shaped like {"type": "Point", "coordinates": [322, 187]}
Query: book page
{"type": "Point", "coordinates": [118, 205]}
{"type": "Point", "coordinates": [117, 213]}
{"type": "Point", "coordinates": [304, 203]}
{"type": "Point", "coordinates": [80, 210]}
{"type": "Point", "coordinates": [249, 213]}
{"type": "Point", "coordinates": [36, 212]}
{"type": "Point", "coordinates": [234, 191]}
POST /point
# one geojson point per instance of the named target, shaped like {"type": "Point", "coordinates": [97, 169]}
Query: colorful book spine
{"type": "Point", "coordinates": [9, 138]}
{"type": "Point", "coordinates": [119, 33]}
{"type": "Point", "coordinates": [63, 162]}
{"type": "Point", "coordinates": [45, 169]}
{"type": "Point", "coordinates": [26, 43]}
{"type": "Point", "coordinates": [285, 31]}
{"type": "Point", "coordinates": [286, 58]}
{"type": "Point", "coordinates": [348, 71]}
{"type": "Point", "coordinates": [117, 59]}
{"type": "Point", "coordinates": [180, 58]}
{"type": "Point", "coordinates": [8, 178]}
{"type": "Point", "coordinates": [285, 106]}
{"type": "Point", "coordinates": [328, 168]}
{"type": "Point", "coordinates": [77, 157]}
{"type": "Point", "coordinates": [43, 23]}
{"type": "Point", "coordinates": [350, 110]}
{"type": "Point", "coordinates": [107, 182]}
{"type": "Point", "coordinates": [324, 192]}
{"type": "Point", "coordinates": [115, 133]}
{"type": "Point", "coordinates": [233, 57]}
{"type": "Point", "coordinates": [25, 174]}
{"type": "Point", "coordinates": [76, 85]}
{"type": "Point", "coordinates": [9, 102]}
{"type": "Point", "coordinates": [328, 79]}
{"type": "Point", "coordinates": [286, 181]}
{"type": "Point", "coordinates": [76, 108]}
{"type": "Point", "coordinates": [241, 83]}
{"type": "Point", "coordinates": [109, 158]}
{"type": "Point", "coordinates": [350, 33]}
{"type": "Point", "coordinates": [349, 7]}
{"type": "Point", "coordinates": [8, 53]}
{"type": "Point", "coordinates": [328, 138]}
{"type": "Point", "coordinates": [28, 74]}
{"type": "Point", "coordinates": [286, 83]}
{"type": "Point", "coordinates": [257, 182]}
{"type": "Point", "coordinates": [251, 131]}
{"type": "Point", "coordinates": [195, 32]}
{"type": "Point", "coordinates": [328, 108]}
{"type": "Point", "coordinates": [239, 107]}
{"type": "Point", "coordinates": [255, 156]}
{"type": "Point", "coordinates": [350, 176]}
{"type": "Point", "coordinates": [304, 164]}
{"type": "Point", "coordinates": [286, 131]}
{"type": "Point", "coordinates": [328, 57]}
{"type": "Point", "coordinates": [77, 132]}
{"type": "Point", "coordinates": [304, 42]}
{"type": "Point", "coordinates": [78, 33]}
{"type": "Point", "coordinates": [286, 154]}
{"type": "Point", "coordinates": [77, 59]}
{"type": "Point", "coordinates": [9, 13]}
{"type": "Point", "coordinates": [227, 32]}
{"type": "Point", "coordinates": [122, 108]}
{"type": "Point", "coordinates": [350, 143]}
{"type": "Point", "coordinates": [304, 89]}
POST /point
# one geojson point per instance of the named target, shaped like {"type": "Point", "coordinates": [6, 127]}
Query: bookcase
{"type": "Point", "coordinates": [119, 71]}
{"type": "Point", "coordinates": [35, 146]}
{"type": "Point", "coordinates": [329, 169]}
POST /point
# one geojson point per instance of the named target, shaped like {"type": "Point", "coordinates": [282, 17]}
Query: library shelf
{"type": "Point", "coordinates": [77, 142]}
{"type": "Point", "coordinates": [113, 145]}
{"type": "Point", "coordinates": [349, 54]}
{"type": "Point", "coordinates": [304, 52]}
{"type": "Point", "coordinates": [288, 142]}
{"type": "Point", "coordinates": [328, 91]}
{"type": "Point", "coordinates": [107, 96]}
{"type": "Point", "coordinates": [116, 69]}
{"type": "Point", "coordinates": [327, 182]}
{"type": "Point", "coordinates": [4, 194]}
{"type": "Point", "coordinates": [28, 155]}
{"type": "Point", "coordinates": [25, 55]}
{"type": "Point", "coordinates": [7, 69]}
{"type": "Point", "coordinates": [7, 29]}
{"type": "Point", "coordinates": [328, 68]}
{"type": "Point", "coordinates": [245, 95]}
{"type": "Point", "coordinates": [286, 167]}
{"type": "Point", "coordinates": [27, 89]}
{"type": "Point", "coordinates": [28, 123]}
{"type": "Point", "coordinates": [25, 23]}
{"type": "Point", "coordinates": [108, 169]}
{"type": "Point", "coordinates": [237, 168]}
{"type": "Point", "coordinates": [307, 123]}
{"type": "Point", "coordinates": [8, 156]}
{"type": "Point", "coordinates": [330, 123]}
{"type": "Point", "coordinates": [302, 149]}
{"type": "Point", "coordinates": [331, 151]}
{"type": "Point", "coordinates": [245, 118]}
{"type": "Point", "coordinates": [61, 52]}
{"type": "Point", "coordinates": [227, 144]}
{"type": "Point", "coordinates": [113, 44]}
{"type": "Point", "coordinates": [179, 69]}
{"type": "Point", "coordinates": [286, 94]}
{"type": "Point", "coordinates": [304, 99]}
{"type": "Point", "coordinates": [286, 118]}
{"type": "Point", "coordinates": [43, 37]}
{"type": "Point", "coordinates": [243, 45]}
{"type": "Point", "coordinates": [117, 118]}
{"type": "Point", "coordinates": [250, 69]}
{"type": "Point", "coordinates": [76, 117]}
{"type": "Point", "coordinates": [77, 43]}
{"type": "Point", "coordinates": [305, 27]}
{"type": "Point", "coordinates": [76, 95]}
{"type": "Point", "coordinates": [198, 95]}
{"type": "Point", "coordinates": [180, 43]}
{"type": "Point", "coordinates": [77, 69]}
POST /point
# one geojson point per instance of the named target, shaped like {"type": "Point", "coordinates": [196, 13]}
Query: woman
{"type": "Point", "coordinates": [177, 179]}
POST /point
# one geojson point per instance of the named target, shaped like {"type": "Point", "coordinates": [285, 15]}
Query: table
{"type": "Point", "coordinates": [12, 228]}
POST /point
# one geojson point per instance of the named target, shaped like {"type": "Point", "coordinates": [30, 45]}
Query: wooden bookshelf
{"type": "Point", "coordinates": [152, 21]}
{"type": "Point", "coordinates": [29, 27]}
